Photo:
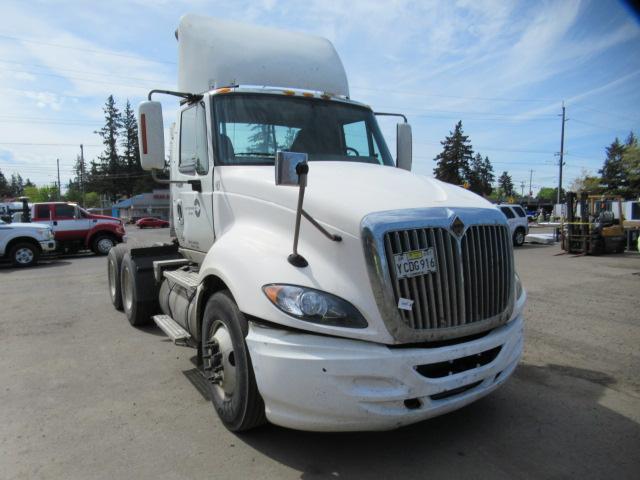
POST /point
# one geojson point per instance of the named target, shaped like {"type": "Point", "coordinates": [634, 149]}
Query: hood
{"type": "Point", "coordinates": [340, 194]}
{"type": "Point", "coordinates": [103, 217]}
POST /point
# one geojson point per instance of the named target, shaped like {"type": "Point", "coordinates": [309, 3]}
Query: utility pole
{"type": "Point", "coordinates": [82, 172]}
{"type": "Point", "coordinates": [59, 186]}
{"type": "Point", "coordinates": [522, 184]}
{"type": "Point", "coordinates": [561, 154]}
{"type": "Point", "coordinates": [530, 180]}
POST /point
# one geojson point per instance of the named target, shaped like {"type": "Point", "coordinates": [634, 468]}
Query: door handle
{"type": "Point", "coordinates": [55, 222]}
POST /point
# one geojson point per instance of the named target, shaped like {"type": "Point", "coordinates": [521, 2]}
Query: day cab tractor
{"type": "Point", "coordinates": [594, 224]}
{"type": "Point", "coordinates": [323, 285]}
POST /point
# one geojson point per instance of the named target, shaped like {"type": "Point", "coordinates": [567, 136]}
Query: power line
{"type": "Point", "coordinates": [390, 90]}
{"type": "Point", "coordinates": [102, 74]}
{"type": "Point", "coordinates": [90, 50]}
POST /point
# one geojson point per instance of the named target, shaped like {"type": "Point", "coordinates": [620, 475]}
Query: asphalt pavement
{"type": "Point", "coordinates": [83, 395]}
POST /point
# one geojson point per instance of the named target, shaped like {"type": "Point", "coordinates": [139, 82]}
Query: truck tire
{"type": "Point", "coordinates": [102, 243]}
{"type": "Point", "coordinates": [24, 254]}
{"type": "Point", "coordinates": [518, 237]}
{"type": "Point", "coordinates": [227, 365]}
{"type": "Point", "coordinates": [114, 263]}
{"type": "Point", "coordinates": [136, 293]}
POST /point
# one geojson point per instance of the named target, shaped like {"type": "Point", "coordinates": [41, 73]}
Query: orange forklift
{"type": "Point", "coordinates": [591, 226]}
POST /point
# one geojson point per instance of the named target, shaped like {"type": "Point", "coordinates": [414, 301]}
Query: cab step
{"type": "Point", "coordinates": [185, 278]}
{"type": "Point", "coordinates": [174, 331]}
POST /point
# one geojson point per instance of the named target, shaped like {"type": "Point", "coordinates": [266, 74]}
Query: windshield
{"type": "Point", "coordinates": [252, 127]}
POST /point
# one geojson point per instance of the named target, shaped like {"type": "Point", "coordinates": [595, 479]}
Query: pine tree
{"type": "Point", "coordinates": [481, 175]}
{"type": "Point", "coordinates": [130, 158]}
{"type": "Point", "coordinates": [505, 184]}
{"type": "Point", "coordinates": [110, 163]}
{"type": "Point", "coordinates": [613, 176]}
{"type": "Point", "coordinates": [17, 185]}
{"type": "Point", "coordinates": [453, 161]}
{"type": "Point", "coordinates": [4, 186]}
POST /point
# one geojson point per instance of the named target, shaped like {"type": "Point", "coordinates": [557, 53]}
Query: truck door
{"type": "Point", "coordinates": [42, 214]}
{"type": "Point", "coordinates": [193, 210]}
{"type": "Point", "coordinates": [66, 225]}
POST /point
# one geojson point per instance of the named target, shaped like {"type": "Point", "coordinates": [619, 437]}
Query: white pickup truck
{"type": "Point", "coordinates": [324, 285]}
{"type": "Point", "coordinates": [23, 243]}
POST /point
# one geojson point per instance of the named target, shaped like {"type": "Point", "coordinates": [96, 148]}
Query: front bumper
{"type": "Point", "coordinates": [48, 245]}
{"type": "Point", "coordinates": [317, 383]}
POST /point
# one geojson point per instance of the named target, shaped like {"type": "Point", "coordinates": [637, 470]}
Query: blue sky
{"type": "Point", "coordinates": [502, 67]}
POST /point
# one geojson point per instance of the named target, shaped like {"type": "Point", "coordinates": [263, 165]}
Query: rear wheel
{"type": "Point", "coordinates": [227, 365]}
{"type": "Point", "coordinates": [114, 262]}
{"type": "Point", "coordinates": [101, 244]}
{"type": "Point", "coordinates": [24, 254]}
{"type": "Point", "coordinates": [137, 292]}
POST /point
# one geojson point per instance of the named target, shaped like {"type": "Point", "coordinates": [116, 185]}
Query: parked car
{"type": "Point", "coordinates": [152, 222]}
{"type": "Point", "coordinates": [23, 243]}
{"type": "Point", "coordinates": [76, 229]}
{"type": "Point", "coordinates": [518, 222]}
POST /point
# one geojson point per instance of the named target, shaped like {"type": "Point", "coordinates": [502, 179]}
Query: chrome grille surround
{"type": "Point", "coordinates": [465, 306]}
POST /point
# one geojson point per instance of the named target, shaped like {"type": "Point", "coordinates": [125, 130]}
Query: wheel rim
{"type": "Point", "coordinates": [24, 256]}
{"type": "Point", "coordinates": [520, 238]}
{"type": "Point", "coordinates": [127, 289]}
{"type": "Point", "coordinates": [104, 245]}
{"type": "Point", "coordinates": [112, 278]}
{"type": "Point", "coordinates": [225, 384]}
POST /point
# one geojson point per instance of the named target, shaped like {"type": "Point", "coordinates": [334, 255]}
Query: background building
{"type": "Point", "coordinates": [154, 204]}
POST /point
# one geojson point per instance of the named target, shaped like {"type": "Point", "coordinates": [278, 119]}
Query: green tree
{"type": "Point", "coordinates": [17, 185]}
{"type": "Point", "coordinates": [4, 186]}
{"type": "Point", "coordinates": [505, 184]}
{"type": "Point", "coordinates": [110, 163]}
{"type": "Point", "coordinates": [41, 194]}
{"type": "Point", "coordinates": [453, 161]}
{"type": "Point", "coordinates": [613, 178]}
{"type": "Point", "coordinates": [586, 183]}
{"type": "Point", "coordinates": [481, 175]}
{"type": "Point", "coordinates": [548, 194]}
{"type": "Point", "coordinates": [631, 167]}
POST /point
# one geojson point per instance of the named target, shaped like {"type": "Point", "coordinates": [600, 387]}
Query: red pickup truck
{"type": "Point", "coordinates": [76, 229]}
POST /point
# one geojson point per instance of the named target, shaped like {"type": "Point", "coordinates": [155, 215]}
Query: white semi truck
{"type": "Point", "coordinates": [324, 286]}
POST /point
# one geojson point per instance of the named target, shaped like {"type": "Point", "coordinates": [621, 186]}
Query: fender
{"type": "Point", "coordinates": [248, 256]}
{"type": "Point", "coordinates": [114, 229]}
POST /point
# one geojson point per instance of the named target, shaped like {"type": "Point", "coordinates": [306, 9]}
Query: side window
{"type": "Point", "coordinates": [356, 139]}
{"type": "Point", "coordinates": [42, 211]}
{"type": "Point", "coordinates": [64, 211]}
{"type": "Point", "coordinates": [193, 141]}
{"type": "Point", "coordinates": [520, 212]}
{"type": "Point", "coordinates": [507, 212]}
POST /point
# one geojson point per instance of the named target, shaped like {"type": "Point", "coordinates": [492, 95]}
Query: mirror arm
{"type": "Point", "coordinates": [295, 258]}
{"type": "Point", "coordinates": [330, 236]}
{"type": "Point", "coordinates": [384, 114]}
{"type": "Point", "coordinates": [189, 97]}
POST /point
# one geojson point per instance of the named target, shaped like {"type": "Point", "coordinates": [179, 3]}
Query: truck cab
{"type": "Point", "coordinates": [77, 229]}
{"type": "Point", "coordinates": [324, 285]}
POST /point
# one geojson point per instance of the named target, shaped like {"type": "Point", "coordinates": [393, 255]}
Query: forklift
{"type": "Point", "coordinates": [591, 226]}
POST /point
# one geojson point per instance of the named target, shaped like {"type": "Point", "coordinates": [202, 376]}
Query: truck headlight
{"type": "Point", "coordinates": [518, 287]}
{"type": "Point", "coordinates": [314, 306]}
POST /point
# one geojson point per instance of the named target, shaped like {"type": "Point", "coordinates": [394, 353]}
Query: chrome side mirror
{"type": "Point", "coordinates": [288, 170]}
{"type": "Point", "coordinates": [403, 146]}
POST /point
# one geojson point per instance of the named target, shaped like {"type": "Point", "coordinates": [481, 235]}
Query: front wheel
{"type": "Point", "coordinates": [102, 244]}
{"type": "Point", "coordinates": [227, 365]}
{"type": "Point", "coordinates": [518, 237]}
{"type": "Point", "coordinates": [24, 254]}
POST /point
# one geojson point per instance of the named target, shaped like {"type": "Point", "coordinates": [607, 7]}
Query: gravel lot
{"type": "Point", "coordinates": [83, 395]}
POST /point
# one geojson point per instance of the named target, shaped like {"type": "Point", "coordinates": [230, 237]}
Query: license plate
{"type": "Point", "coordinates": [415, 263]}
